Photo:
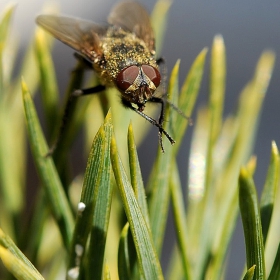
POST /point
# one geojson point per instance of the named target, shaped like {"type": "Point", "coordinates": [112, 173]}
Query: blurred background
{"type": "Point", "coordinates": [248, 28]}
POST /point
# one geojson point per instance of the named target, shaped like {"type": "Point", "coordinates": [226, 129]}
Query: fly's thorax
{"type": "Point", "coordinates": [122, 49]}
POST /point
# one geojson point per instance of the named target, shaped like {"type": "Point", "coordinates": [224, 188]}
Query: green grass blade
{"type": "Point", "coordinates": [251, 224]}
{"type": "Point", "coordinates": [124, 257]}
{"type": "Point", "coordinates": [5, 25]}
{"type": "Point", "coordinates": [269, 193]}
{"type": "Point", "coordinates": [188, 97]}
{"type": "Point", "coordinates": [197, 238]}
{"type": "Point", "coordinates": [11, 153]}
{"type": "Point", "coordinates": [148, 262]}
{"type": "Point", "coordinates": [95, 202]}
{"type": "Point", "coordinates": [180, 219]}
{"type": "Point", "coordinates": [18, 268]}
{"type": "Point", "coordinates": [47, 172]}
{"type": "Point", "coordinates": [158, 183]}
{"type": "Point", "coordinates": [216, 103]}
{"type": "Point", "coordinates": [136, 176]}
{"type": "Point", "coordinates": [248, 113]}
{"type": "Point", "coordinates": [217, 86]}
{"type": "Point", "coordinates": [159, 18]}
{"type": "Point", "coordinates": [49, 85]}
{"type": "Point", "coordinates": [4, 31]}
{"type": "Point", "coordinates": [275, 270]}
{"type": "Point", "coordinates": [214, 114]}
{"type": "Point", "coordinates": [15, 260]}
{"type": "Point", "coordinates": [98, 192]}
{"type": "Point", "coordinates": [250, 273]}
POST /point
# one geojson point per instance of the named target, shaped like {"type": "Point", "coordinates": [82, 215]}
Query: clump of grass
{"type": "Point", "coordinates": [104, 226]}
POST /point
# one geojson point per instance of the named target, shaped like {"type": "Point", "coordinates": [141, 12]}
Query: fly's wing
{"type": "Point", "coordinates": [133, 17]}
{"type": "Point", "coordinates": [83, 36]}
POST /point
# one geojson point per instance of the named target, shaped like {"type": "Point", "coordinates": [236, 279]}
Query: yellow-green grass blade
{"type": "Point", "coordinates": [4, 32]}
{"type": "Point", "coordinates": [94, 206]}
{"type": "Point", "coordinates": [97, 197]}
{"type": "Point", "coordinates": [15, 261]}
{"type": "Point", "coordinates": [136, 176]}
{"type": "Point", "coordinates": [159, 18]}
{"type": "Point", "coordinates": [125, 259]}
{"type": "Point", "coordinates": [148, 263]}
{"type": "Point", "coordinates": [48, 81]}
{"type": "Point", "coordinates": [47, 172]}
{"type": "Point", "coordinates": [158, 184]}
{"type": "Point", "coordinates": [180, 219]}
{"type": "Point", "coordinates": [215, 111]}
{"type": "Point", "coordinates": [248, 113]}
{"type": "Point", "coordinates": [268, 196]}
{"type": "Point", "coordinates": [275, 270]}
{"type": "Point", "coordinates": [249, 208]}
{"type": "Point", "coordinates": [188, 97]}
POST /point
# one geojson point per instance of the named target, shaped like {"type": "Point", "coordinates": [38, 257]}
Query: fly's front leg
{"type": "Point", "coordinates": [159, 100]}
{"type": "Point", "coordinates": [158, 124]}
{"type": "Point", "coordinates": [87, 91]}
{"type": "Point", "coordinates": [161, 119]}
{"type": "Point", "coordinates": [65, 116]}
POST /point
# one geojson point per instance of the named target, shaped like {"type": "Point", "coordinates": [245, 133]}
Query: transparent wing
{"type": "Point", "coordinates": [83, 36]}
{"type": "Point", "coordinates": [133, 17]}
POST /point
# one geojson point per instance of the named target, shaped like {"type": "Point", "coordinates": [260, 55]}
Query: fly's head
{"type": "Point", "coordinates": [137, 84]}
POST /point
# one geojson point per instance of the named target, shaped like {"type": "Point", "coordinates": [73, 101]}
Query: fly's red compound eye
{"type": "Point", "coordinates": [127, 77]}
{"type": "Point", "coordinates": [152, 73]}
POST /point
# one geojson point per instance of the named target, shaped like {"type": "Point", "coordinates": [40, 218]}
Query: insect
{"type": "Point", "coordinates": [122, 54]}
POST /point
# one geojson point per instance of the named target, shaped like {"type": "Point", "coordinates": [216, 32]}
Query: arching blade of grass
{"type": "Point", "coordinates": [47, 171]}
{"type": "Point", "coordinates": [48, 83]}
{"type": "Point", "coordinates": [251, 224]}
{"type": "Point", "coordinates": [148, 262]}
{"type": "Point", "coordinates": [124, 257]}
{"type": "Point", "coordinates": [15, 261]}
{"type": "Point", "coordinates": [215, 115]}
{"type": "Point", "coordinates": [275, 271]}
{"type": "Point", "coordinates": [159, 18]}
{"type": "Point", "coordinates": [95, 202]}
{"type": "Point", "coordinates": [136, 176]}
{"type": "Point", "coordinates": [11, 194]}
{"type": "Point", "coordinates": [4, 31]}
{"type": "Point", "coordinates": [250, 103]}
{"type": "Point", "coordinates": [97, 196]}
{"type": "Point", "coordinates": [158, 183]}
{"type": "Point", "coordinates": [269, 193]}
{"type": "Point", "coordinates": [19, 269]}
{"type": "Point", "coordinates": [188, 96]}
{"type": "Point", "coordinates": [180, 219]}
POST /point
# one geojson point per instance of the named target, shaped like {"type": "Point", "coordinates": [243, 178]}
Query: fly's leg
{"type": "Point", "coordinates": [75, 94]}
{"type": "Point", "coordinates": [87, 91]}
{"type": "Point", "coordinates": [158, 124]}
{"type": "Point", "coordinates": [161, 119]}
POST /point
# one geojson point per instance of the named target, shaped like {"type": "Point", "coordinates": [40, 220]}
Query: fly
{"type": "Point", "coordinates": [122, 54]}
